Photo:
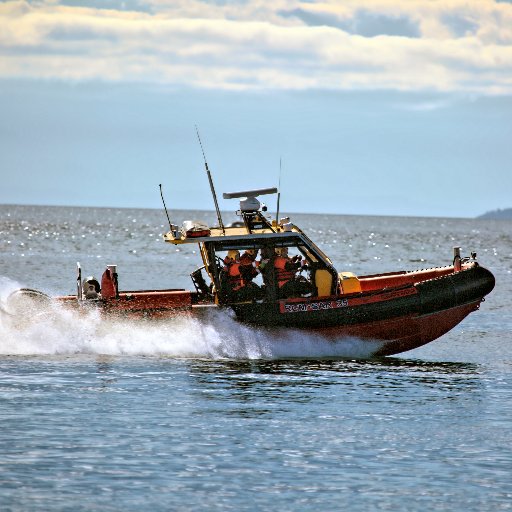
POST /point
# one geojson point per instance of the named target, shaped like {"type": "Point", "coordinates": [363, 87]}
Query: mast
{"type": "Point", "coordinates": [212, 188]}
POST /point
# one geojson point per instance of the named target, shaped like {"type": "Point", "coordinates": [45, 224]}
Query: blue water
{"type": "Point", "coordinates": [215, 415]}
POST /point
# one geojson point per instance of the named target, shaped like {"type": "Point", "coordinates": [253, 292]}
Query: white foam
{"type": "Point", "coordinates": [218, 335]}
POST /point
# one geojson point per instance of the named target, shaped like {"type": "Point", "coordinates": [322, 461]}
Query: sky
{"type": "Point", "coordinates": [367, 107]}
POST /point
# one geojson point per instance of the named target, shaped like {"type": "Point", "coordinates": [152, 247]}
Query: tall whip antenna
{"type": "Point", "coordinates": [212, 188]}
{"type": "Point", "coordinates": [278, 193]}
{"type": "Point", "coordinates": [165, 207]}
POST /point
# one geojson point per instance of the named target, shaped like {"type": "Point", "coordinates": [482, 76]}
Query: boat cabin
{"type": "Point", "coordinates": [260, 260]}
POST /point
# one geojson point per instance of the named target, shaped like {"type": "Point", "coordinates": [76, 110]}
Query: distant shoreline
{"type": "Point", "coordinates": [497, 214]}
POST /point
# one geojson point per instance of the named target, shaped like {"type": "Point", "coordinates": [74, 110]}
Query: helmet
{"type": "Point", "coordinates": [246, 259]}
{"type": "Point", "coordinates": [232, 255]}
{"type": "Point", "coordinates": [282, 251]}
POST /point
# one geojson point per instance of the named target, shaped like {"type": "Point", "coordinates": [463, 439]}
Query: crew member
{"type": "Point", "coordinates": [285, 270]}
{"type": "Point", "coordinates": [248, 269]}
{"type": "Point", "coordinates": [231, 271]}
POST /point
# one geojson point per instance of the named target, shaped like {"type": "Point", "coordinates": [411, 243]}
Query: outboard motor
{"type": "Point", "coordinates": [91, 288]}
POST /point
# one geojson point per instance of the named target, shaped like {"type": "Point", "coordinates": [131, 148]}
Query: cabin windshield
{"type": "Point", "coordinates": [261, 269]}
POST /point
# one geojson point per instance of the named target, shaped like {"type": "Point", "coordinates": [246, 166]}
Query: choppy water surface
{"type": "Point", "coordinates": [215, 415]}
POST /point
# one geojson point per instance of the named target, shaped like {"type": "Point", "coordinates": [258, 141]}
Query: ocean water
{"type": "Point", "coordinates": [215, 415]}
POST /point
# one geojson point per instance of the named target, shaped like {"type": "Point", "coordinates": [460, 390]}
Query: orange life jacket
{"type": "Point", "coordinates": [234, 278]}
{"type": "Point", "coordinates": [283, 275]}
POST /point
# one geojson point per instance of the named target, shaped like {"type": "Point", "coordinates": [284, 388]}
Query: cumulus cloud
{"type": "Point", "coordinates": [448, 45]}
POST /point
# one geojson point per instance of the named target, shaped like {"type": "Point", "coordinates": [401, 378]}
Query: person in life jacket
{"type": "Point", "coordinates": [248, 266]}
{"type": "Point", "coordinates": [285, 270]}
{"type": "Point", "coordinates": [231, 271]}
{"type": "Point", "coordinates": [237, 276]}
{"type": "Point", "coordinates": [249, 269]}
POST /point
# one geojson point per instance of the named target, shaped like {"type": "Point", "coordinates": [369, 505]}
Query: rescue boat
{"type": "Point", "coordinates": [240, 272]}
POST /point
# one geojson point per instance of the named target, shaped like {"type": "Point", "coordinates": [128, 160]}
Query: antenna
{"type": "Point", "coordinates": [165, 207]}
{"type": "Point", "coordinates": [278, 193]}
{"type": "Point", "coordinates": [212, 188]}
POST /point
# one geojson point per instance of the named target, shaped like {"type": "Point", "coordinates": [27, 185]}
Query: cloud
{"type": "Point", "coordinates": [121, 5]}
{"type": "Point", "coordinates": [362, 22]}
{"type": "Point", "coordinates": [449, 45]}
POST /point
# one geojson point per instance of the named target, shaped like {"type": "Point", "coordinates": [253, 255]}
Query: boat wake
{"type": "Point", "coordinates": [50, 329]}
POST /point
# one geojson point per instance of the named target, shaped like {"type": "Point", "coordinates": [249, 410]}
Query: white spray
{"type": "Point", "coordinates": [56, 330]}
